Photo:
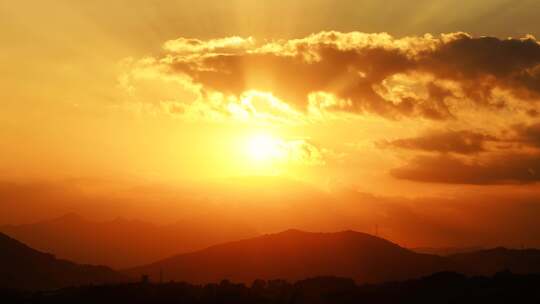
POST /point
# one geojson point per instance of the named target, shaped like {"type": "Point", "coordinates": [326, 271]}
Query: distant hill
{"type": "Point", "coordinates": [22, 267]}
{"type": "Point", "coordinates": [291, 255]}
{"type": "Point", "coordinates": [295, 255]}
{"type": "Point", "coordinates": [120, 243]}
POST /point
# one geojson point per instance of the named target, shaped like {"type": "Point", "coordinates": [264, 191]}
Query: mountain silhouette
{"type": "Point", "coordinates": [295, 255]}
{"type": "Point", "coordinates": [291, 255]}
{"type": "Point", "coordinates": [120, 243]}
{"type": "Point", "coordinates": [22, 267]}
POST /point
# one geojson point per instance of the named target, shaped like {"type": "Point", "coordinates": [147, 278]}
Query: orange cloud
{"type": "Point", "coordinates": [468, 157]}
{"type": "Point", "coordinates": [196, 46]}
{"type": "Point", "coordinates": [528, 134]}
{"type": "Point", "coordinates": [509, 168]}
{"type": "Point", "coordinates": [462, 142]}
{"type": "Point", "coordinates": [373, 73]}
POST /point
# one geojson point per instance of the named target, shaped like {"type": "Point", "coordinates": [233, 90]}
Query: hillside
{"type": "Point", "coordinates": [119, 243]}
{"type": "Point", "coordinates": [295, 255]}
{"type": "Point", "coordinates": [22, 267]}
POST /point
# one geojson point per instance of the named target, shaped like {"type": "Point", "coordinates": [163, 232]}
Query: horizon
{"type": "Point", "coordinates": [411, 221]}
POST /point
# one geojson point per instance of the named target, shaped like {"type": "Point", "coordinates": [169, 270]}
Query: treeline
{"type": "Point", "coordinates": [446, 287]}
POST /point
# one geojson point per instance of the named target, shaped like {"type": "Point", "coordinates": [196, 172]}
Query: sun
{"type": "Point", "coordinates": [265, 148]}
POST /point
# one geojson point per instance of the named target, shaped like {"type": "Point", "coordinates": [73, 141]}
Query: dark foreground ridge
{"type": "Point", "coordinates": [445, 287]}
{"type": "Point", "coordinates": [22, 267]}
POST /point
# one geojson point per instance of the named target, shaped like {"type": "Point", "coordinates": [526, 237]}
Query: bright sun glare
{"type": "Point", "coordinates": [265, 148]}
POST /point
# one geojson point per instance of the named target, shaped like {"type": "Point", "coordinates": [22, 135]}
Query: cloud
{"type": "Point", "coordinates": [418, 76]}
{"type": "Point", "coordinates": [293, 70]}
{"type": "Point", "coordinates": [528, 134]}
{"type": "Point", "coordinates": [478, 63]}
{"type": "Point", "coordinates": [193, 46]}
{"type": "Point", "coordinates": [462, 142]}
{"type": "Point", "coordinates": [509, 168]}
{"type": "Point", "coordinates": [472, 157]}
{"type": "Point", "coordinates": [304, 152]}
{"type": "Point", "coordinates": [293, 152]}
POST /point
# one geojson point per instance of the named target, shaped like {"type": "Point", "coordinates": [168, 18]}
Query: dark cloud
{"type": "Point", "coordinates": [463, 142]}
{"type": "Point", "coordinates": [515, 168]}
{"type": "Point", "coordinates": [513, 157]}
{"type": "Point", "coordinates": [480, 63]}
{"type": "Point", "coordinates": [473, 57]}
{"type": "Point", "coordinates": [357, 67]}
{"type": "Point", "coordinates": [291, 78]}
{"type": "Point", "coordinates": [528, 135]}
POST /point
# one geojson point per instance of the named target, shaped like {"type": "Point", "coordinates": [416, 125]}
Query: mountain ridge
{"type": "Point", "coordinates": [120, 242]}
{"type": "Point", "coordinates": [283, 256]}
{"type": "Point", "coordinates": [290, 255]}
{"type": "Point", "coordinates": [25, 268]}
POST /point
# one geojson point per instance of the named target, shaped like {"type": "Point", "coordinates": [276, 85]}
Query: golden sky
{"type": "Point", "coordinates": [398, 99]}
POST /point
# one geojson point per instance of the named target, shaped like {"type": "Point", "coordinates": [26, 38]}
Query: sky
{"type": "Point", "coordinates": [422, 116]}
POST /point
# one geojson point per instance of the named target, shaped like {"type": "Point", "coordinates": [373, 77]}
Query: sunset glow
{"type": "Point", "coordinates": [265, 148]}
{"type": "Point", "coordinates": [233, 119]}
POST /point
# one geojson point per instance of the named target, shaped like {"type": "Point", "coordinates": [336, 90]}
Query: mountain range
{"type": "Point", "coordinates": [120, 243]}
{"type": "Point", "coordinates": [295, 255]}
{"type": "Point", "coordinates": [291, 255]}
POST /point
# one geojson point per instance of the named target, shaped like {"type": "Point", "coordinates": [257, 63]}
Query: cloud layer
{"type": "Point", "coordinates": [479, 94]}
{"type": "Point", "coordinates": [361, 73]}
{"type": "Point", "coordinates": [466, 157]}
{"type": "Point", "coordinates": [462, 142]}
